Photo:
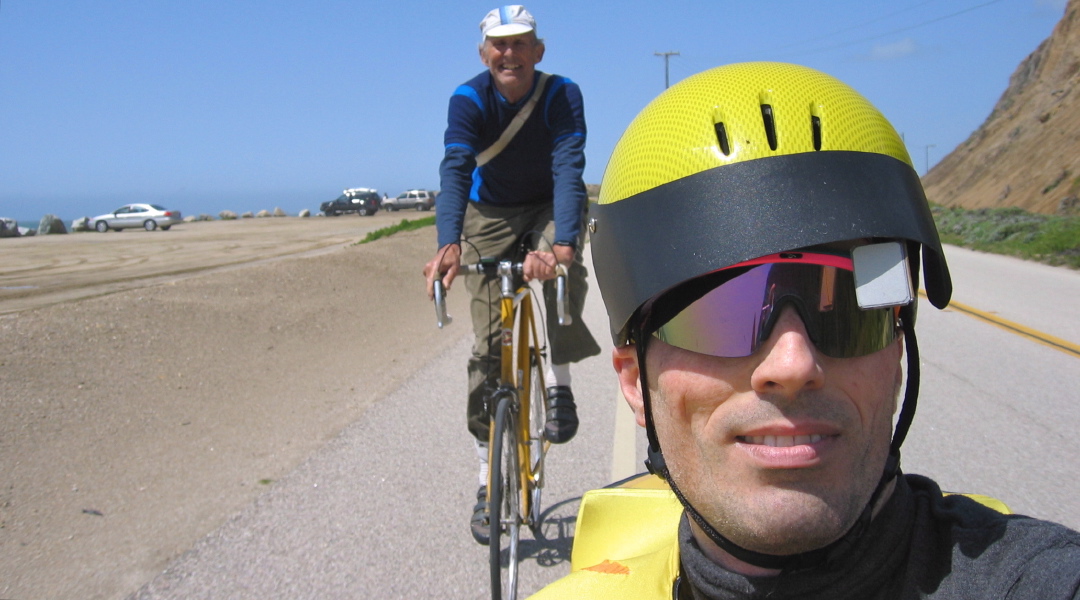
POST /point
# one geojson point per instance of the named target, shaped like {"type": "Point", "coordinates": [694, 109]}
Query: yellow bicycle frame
{"type": "Point", "coordinates": [517, 354]}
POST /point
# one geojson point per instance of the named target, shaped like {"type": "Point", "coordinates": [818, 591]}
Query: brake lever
{"type": "Point", "coordinates": [560, 298]}
{"type": "Point", "coordinates": [441, 318]}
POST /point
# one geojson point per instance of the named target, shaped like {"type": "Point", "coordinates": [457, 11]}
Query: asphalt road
{"type": "Point", "coordinates": [998, 411]}
{"type": "Point", "coordinates": [382, 510]}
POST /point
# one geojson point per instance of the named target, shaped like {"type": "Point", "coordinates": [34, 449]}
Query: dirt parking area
{"type": "Point", "coordinates": [42, 270]}
{"type": "Point", "coordinates": [153, 383]}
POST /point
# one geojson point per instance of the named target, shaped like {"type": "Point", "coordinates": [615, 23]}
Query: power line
{"type": "Point", "coordinates": [855, 26]}
{"type": "Point", "coordinates": [759, 56]}
{"type": "Point", "coordinates": [876, 36]}
{"type": "Point", "coordinates": [903, 29]}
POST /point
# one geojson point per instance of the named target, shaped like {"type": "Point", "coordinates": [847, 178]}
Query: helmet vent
{"type": "Point", "coordinates": [770, 125]}
{"type": "Point", "coordinates": [721, 137]}
{"type": "Point", "coordinates": [815, 129]}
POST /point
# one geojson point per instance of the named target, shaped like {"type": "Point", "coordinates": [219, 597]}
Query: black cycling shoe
{"type": "Point", "coordinates": [562, 420]}
{"type": "Point", "coordinates": [480, 524]}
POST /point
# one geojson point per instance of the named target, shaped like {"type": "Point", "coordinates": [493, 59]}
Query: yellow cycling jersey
{"type": "Point", "coordinates": [626, 543]}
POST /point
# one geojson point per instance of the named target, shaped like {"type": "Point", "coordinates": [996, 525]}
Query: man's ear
{"type": "Point", "coordinates": [483, 58]}
{"type": "Point", "coordinates": [624, 359]}
{"type": "Point", "coordinates": [540, 51]}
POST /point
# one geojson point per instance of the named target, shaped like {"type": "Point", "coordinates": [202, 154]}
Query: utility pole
{"type": "Point", "coordinates": [928, 147]}
{"type": "Point", "coordinates": [666, 56]}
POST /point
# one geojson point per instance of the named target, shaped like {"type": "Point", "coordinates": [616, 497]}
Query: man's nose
{"type": "Point", "coordinates": [790, 363]}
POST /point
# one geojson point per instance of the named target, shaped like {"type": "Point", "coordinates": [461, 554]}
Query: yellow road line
{"type": "Point", "coordinates": [1027, 332]}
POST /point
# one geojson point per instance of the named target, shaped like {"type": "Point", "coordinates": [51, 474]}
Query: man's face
{"type": "Point", "coordinates": [781, 450]}
{"type": "Point", "coordinates": [512, 61]}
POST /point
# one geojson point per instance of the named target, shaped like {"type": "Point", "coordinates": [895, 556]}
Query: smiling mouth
{"type": "Point", "coordinates": [781, 441]}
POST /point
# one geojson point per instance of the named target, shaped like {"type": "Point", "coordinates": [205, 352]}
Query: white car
{"type": "Point", "coordinates": [147, 216]}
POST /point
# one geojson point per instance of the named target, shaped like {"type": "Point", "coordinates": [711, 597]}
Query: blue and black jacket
{"type": "Point", "coordinates": [542, 164]}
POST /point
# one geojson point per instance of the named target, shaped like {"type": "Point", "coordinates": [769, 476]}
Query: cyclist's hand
{"type": "Point", "coordinates": [542, 265]}
{"type": "Point", "coordinates": [447, 261]}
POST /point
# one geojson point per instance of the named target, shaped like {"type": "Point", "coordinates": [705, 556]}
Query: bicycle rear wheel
{"type": "Point", "coordinates": [505, 499]}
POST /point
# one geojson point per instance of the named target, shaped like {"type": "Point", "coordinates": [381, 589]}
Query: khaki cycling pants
{"type": "Point", "coordinates": [498, 231]}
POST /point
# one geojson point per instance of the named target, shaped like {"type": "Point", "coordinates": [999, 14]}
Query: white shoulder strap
{"type": "Point", "coordinates": [511, 130]}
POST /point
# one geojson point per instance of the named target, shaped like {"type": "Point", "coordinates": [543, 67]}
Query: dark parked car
{"type": "Point", "coordinates": [362, 201]}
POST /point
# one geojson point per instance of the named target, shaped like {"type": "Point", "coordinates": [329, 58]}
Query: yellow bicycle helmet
{"type": "Point", "coordinates": [745, 161]}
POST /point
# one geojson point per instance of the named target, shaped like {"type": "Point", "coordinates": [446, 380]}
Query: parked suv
{"type": "Point", "coordinates": [418, 199]}
{"type": "Point", "coordinates": [362, 201]}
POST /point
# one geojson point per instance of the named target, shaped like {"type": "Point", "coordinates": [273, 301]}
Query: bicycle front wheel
{"type": "Point", "coordinates": [504, 475]}
{"type": "Point", "coordinates": [537, 444]}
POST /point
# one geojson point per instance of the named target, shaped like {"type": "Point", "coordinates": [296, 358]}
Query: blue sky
{"type": "Point", "coordinates": [206, 105]}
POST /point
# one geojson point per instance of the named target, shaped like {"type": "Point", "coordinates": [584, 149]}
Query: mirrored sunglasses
{"type": "Point", "coordinates": [736, 317]}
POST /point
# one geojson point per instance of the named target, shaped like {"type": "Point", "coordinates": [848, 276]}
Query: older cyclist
{"type": "Point", "coordinates": [511, 179]}
{"type": "Point", "coordinates": [757, 243]}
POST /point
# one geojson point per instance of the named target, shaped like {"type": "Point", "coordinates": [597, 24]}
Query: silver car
{"type": "Point", "coordinates": [147, 216]}
{"type": "Point", "coordinates": [418, 199]}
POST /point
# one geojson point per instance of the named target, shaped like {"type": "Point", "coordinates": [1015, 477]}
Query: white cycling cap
{"type": "Point", "coordinates": [507, 20]}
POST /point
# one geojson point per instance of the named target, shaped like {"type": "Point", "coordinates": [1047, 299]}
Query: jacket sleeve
{"type": "Point", "coordinates": [463, 120]}
{"type": "Point", "coordinates": [566, 119]}
{"type": "Point", "coordinates": [568, 165]}
{"type": "Point", "coordinates": [455, 176]}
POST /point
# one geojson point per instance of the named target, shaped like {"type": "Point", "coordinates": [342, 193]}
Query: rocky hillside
{"type": "Point", "coordinates": [1027, 152]}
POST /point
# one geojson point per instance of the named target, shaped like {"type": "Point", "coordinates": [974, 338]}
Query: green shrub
{"type": "Point", "coordinates": [1050, 239]}
{"type": "Point", "coordinates": [404, 225]}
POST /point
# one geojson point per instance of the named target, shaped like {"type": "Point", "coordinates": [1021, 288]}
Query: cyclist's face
{"type": "Point", "coordinates": [512, 61]}
{"type": "Point", "coordinates": [779, 450]}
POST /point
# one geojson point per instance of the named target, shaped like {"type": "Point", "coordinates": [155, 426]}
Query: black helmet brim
{"type": "Point", "coordinates": [722, 216]}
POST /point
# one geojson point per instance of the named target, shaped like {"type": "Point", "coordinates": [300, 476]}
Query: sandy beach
{"type": "Point", "coordinates": [153, 383]}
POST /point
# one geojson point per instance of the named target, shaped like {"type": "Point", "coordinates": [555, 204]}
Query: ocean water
{"type": "Point", "coordinates": [34, 224]}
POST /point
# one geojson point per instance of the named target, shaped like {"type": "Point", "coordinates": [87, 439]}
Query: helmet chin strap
{"type": "Point", "coordinates": [804, 560]}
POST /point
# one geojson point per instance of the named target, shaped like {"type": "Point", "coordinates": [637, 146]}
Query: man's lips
{"type": "Point", "coordinates": [787, 451]}
{"type": "Point", "coordinates": [782, 441]}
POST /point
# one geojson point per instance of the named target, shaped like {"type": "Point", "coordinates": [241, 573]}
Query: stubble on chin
{"type": "Point", "coordinates": [774, 511]}
{"type": "Point", "coordinates": [781, 521]}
